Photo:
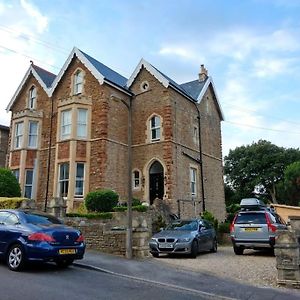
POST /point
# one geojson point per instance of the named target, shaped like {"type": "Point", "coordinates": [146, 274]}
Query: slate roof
{"type": "Point", "coordinates": [46, 76]}
{"type": "Point", "coordinates": [194, 88]}
{"type": "Point", "coordinates": [108, 73]}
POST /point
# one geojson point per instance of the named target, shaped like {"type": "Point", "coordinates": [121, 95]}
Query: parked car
{"type": "Point", "coordinates": [184, 237]}
{"type": "Point", "coordinates": [254, 227]}
{"type": "Point", "coordinates": [34, 236]}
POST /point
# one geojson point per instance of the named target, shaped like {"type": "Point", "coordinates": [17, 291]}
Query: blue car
{"type": "Point", "coordinates": [34, 236]}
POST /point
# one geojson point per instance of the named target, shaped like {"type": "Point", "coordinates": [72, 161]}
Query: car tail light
{"type": "Point", "coordinates": [232, 224]}
{"type": "Point", "coordinates": [271, 227]}
{"type": "Point", "coordinates": [40, 237]}
{"type": "Point", "coordinates": [80, 239]}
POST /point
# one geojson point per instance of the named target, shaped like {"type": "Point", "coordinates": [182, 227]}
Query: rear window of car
{"type": "Point", "coordinates": [39, 219]}
{"type": "Point", "coordinates": [251, 218]}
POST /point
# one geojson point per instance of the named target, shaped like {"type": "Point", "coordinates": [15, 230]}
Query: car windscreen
{"type": "Point", "coordinates": [251, 218]}
{"type": "Point", "coordinates": [41, 219]}
{"type": "Point", "coordinates": [183, 225]}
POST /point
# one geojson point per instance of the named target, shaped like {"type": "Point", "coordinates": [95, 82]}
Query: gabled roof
{"type": "Point", "coordinates": [193, 90]}
{"type": "Point", "coordinates": [197, 89]}
{"type": "Point", "coordinates": [162, 78]}
{"type": "Point", "coordinates": [101, 72]}
{"type": "Point", "coordinates": [43, 77]}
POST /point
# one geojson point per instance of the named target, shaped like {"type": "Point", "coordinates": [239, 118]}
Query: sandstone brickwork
{"type": "Point", "coordinates": [104, 151]}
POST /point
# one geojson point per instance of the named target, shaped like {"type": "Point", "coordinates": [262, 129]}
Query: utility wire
{"type": "Point", "coordinates": [27, 56]}
{"type": "Point", "coordinates": [262, 128]}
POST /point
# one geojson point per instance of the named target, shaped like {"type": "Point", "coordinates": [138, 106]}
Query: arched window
{"type": "Point", "coordinates": [78, 82]}
{"type": "Point", "coordinates": [32, 98]}
{"type": "Point", "coordinates": [136, 179]}
{"type": "Point", "coordinates": [155, 124]}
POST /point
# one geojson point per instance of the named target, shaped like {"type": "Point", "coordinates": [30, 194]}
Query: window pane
{"type": "Point", "coordinates": [29, 176]}
{"type": "Point", "coordinates": [82, 122]}
{"type": "Point", "coordinates": [79, 179]}
{"type": "Point", "coordinates": [18, 134]}
{"type": "Point", "coordinates": [65, 124]}
{"type": "Point", "coordinates": [33, 130]}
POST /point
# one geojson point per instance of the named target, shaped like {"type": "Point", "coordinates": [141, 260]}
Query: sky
{"type": "Point", "coordinates": [251, 49]}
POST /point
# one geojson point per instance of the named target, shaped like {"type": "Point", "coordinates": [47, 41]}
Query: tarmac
{"type": "Point", "coordinates": [155, 273]}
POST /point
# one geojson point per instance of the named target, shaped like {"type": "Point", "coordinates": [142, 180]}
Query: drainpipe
{"type": "Point", "coordinates": [49, 158]}
{"type": "Point", "coordinates": [201, 160]}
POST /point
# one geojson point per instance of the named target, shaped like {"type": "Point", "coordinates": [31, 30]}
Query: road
{"type": "Point", "coordinates": [47, 282]}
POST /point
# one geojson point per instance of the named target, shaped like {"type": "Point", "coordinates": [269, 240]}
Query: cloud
{"type": "Point", "coordinates": [32, 11]}
{"type": "Point", "coordinates": [181, 51]}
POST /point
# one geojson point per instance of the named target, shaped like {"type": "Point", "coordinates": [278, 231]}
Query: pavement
{"type": "Point", "coordinates": [155, 273]}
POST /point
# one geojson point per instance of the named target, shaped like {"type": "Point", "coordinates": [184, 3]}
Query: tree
{"type": "Point", "coordinates": [292, 182]}
{"type": "Point", "coordinates": [9, 185]}
{"type": "Point", "coordinates": [258, 167]}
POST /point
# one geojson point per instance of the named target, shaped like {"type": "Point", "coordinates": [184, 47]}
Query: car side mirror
{"type": "Point", "coordinates": [161, 229]}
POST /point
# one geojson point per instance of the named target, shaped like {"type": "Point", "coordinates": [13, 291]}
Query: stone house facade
{"type": "Point", "coordinates": [4, 133]}
{"type": "Point", "coordinates": [70, 135]}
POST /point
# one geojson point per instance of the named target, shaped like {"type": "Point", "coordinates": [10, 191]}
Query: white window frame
{"type": "Point", "coordinates": [79, 179]}
{"type": "Point", "coordinates": [193, 181]}
{"type": "Point", "coordinates": [82, 124]}
{"type": "Point", "coordinates": [78, 82]}
{"type": "Point", "coordinates": [63, 181]}
{"type": "Point", "coordinates": [32, 98]}
{"type": "Point", "coordinates": [33, 136]}
{"type": "Point", "coordinates": [16, 172]}
{"type": "Point", "coordinates": [136, 180]}
{"type": "Point", "coordinates": [18, 140]}
{"type": "Point", "coordinates": [155, 128]}
{"type": "Point", "coordinates": [28, 184]}
{"type": "Point", "coordinates": [65, 124]}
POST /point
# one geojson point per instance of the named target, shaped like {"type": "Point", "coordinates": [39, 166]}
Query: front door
{"type": "Point", "coordinates": [156, 184]}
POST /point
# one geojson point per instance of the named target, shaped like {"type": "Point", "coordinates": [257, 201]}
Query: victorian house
{"type": "Point", "coordinates": [71, 133]}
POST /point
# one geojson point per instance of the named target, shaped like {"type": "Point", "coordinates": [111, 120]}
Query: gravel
{"type": "Point", "coordinates": [253, 267]}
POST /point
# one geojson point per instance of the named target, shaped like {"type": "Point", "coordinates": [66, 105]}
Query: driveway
{"type": "Point", "coordinates": [253, 267]}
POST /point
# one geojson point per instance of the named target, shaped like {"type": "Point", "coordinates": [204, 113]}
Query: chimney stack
{"type": "Point", "coordinates": [203, 73]}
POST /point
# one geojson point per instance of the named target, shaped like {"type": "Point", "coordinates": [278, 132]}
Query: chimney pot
{"type": "Point", "coordinates": [203, 73]}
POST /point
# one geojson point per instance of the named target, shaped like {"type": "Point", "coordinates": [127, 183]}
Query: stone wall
{"type": "Point", "coordinates": [109, 236]}
{"type": "Point", "coordinates": [4, 132]}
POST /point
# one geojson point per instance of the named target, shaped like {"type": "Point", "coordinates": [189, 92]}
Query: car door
{"type": "Point", "coordinates": [9, 230]}
{"type": "Point", "coordinates": [203, 236]}
{"type": "Point", "coordinates": [3, 230]}
{"type": "Point", "coordinates": [208, 235]}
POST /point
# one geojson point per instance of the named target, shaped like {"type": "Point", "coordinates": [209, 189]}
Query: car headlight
{"type": "Point", "coordinates": [153, 240]}
{"type": "Point", "coordinates": [184, 240]}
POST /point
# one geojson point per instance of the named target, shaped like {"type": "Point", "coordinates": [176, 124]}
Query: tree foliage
{"type": "Point", "coordinates": [257, 168]}
{"type": "Point", "coordinates": [292, 183]}
{"type": "Point", "coordinates": [9, 185]}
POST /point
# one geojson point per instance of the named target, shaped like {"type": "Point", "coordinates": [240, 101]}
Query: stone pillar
{"type": "Point", "coordinates": [28, 204]}
{"type": "Point", "coordinates": [288, 255]}
{"type": "Point", "coordinates": [57, 207]}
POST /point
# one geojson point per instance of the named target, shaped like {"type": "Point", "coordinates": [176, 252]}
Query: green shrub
{"type": "Point", "coordinates": [208, 216]}
{"type": "Point", "coordinates": [9, 185]}
{"type": "Point", "coordinates": [136, 202]}
{"type": "Point", "coordinates": [140, 208]}
{"type": "Point", "coordinates": [101, 200]}
{"type": "Point", "coordinates": [81, 209]}
{"type": "Point", "coordinates": [224, 227]}
{"type": "Point", "coordinates": [105, 215]}
{"type": "Point", "coordinates": [10, 203]}
{"type": "Point", "coordinates": [119, 208]}
{"type": "Point", "coordinates": [231, 211]}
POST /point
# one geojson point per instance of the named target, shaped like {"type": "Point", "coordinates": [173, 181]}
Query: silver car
{"type": "Point", "coordinates": [255, 229]}
{"type": "Point", "coordinates": [184, 237]}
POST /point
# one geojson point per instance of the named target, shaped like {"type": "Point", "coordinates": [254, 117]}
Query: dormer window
{"type": "Point", "coordinates": [155, 124]}
{"type": "Point", "coordinates": [32, 98]}
{"type": "Point", "coordinates": [78, 82]}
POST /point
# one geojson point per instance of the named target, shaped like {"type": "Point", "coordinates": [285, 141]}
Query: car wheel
{"type": "Point", "coordinates": [15, 258]}
{"type": "Point", "coordinates": [194, 249]}
{"type": "Point", "coordinates": [64, 263]}
{"type": "Point", "coordinates": [238, 250]}
{"type": "Point", "coordinates": [155, 255]}
{"type": "Point", "coordinates": [214, 246]}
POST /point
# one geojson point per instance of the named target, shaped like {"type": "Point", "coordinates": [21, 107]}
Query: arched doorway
{"type": "Point", "coordinates": [156, 181]}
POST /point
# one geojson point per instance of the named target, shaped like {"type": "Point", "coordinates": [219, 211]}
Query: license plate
{"type": "Point", "coordinates": [165, 245]}
{"type": "Point", "coordinates": [67, 251]}
{"type": "Point", "coordinates": [251, 229]}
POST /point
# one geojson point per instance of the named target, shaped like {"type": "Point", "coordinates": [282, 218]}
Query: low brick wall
{"type": "Point", "coordinates": [109, 236]}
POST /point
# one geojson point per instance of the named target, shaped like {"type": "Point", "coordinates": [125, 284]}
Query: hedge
{"type": "Point", "coordinates": [106, 215]}
{"type": "Point", "coordinates": [10, 203]}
